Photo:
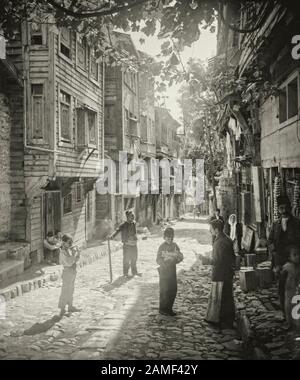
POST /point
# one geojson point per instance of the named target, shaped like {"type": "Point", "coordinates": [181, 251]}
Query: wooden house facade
{"type": "Point", "coordinates": [121, 123]}
{"type": "Point", "coordinates": [62, 129]}
{"type": "Point", "coordinates": [262, 131]}
{"type": "Point", "coordinates": [167, 147]}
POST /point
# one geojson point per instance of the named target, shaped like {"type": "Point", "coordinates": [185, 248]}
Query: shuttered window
{"type": "Point", "coordinates": [289, 100]}
{"type": "Point", "coordinates": [92, 116]}
{"type": "Point", "coordinates": [144, 128]}
{"type": "Point", "coordinates": [36, 33]}
{"type": "Point", "coordinates": [82, 53]}
{"type": "Point", "coordinates": [94, 69]}
{"type": "Point", "coordinates": [65, 116]}
{"type": "Point", "coordinates": [67, 203]}
{"type": "Point", "coordinates": [86, 127]}
{"type": "Point", "coordinates": [38, 110]}
{"type": "Point", "coordinates": [66, 42]}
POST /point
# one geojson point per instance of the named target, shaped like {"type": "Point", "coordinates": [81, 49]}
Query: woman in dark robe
{"type": "Point", "coordinates": [221, 309]}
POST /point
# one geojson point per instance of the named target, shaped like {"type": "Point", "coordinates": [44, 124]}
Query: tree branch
{"type": "Point", "coordinates": [95, 13]}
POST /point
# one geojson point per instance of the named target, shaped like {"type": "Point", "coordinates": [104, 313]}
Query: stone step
{"type": "Point", "coordinates": [10, 269]}
{"type": "Point", "coordinates": [3, 254]}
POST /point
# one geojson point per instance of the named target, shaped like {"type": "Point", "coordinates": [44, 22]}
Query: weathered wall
{"type": "Point", "coordinates": [279, 145]}
{"type": "Point", "coordinates": [18, 197]}
{"type": "Point", "coordinates": [5, 202]}
{"type": "Point", "coordinates": [76, 223]}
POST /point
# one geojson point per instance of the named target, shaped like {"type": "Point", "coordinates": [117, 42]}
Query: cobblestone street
{"type": "Point", "coordinates": [121, 320]}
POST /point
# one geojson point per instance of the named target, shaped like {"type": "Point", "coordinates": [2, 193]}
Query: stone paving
{"type": "Point", "coordinates": [121, 320]}
{"type": "Point", "coordinates": [267, 336]}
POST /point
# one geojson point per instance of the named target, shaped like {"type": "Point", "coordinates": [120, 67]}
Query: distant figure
{"type": "Point", "coordinates": [52, 246]}
{"type": "Point", "coordinates": [234, 230]}
{"type": "Point", "coordinates": [289, 283]}
{"type": "Point", "coordinates": [168, 256]}
{"type": "Point", "coordinates": [216, 216]}
{"type": "Point", "coordinates": [69, 256]}
{"type": "Point", "coordinates": [129, 239]}
{"type": "Point", "coordinates": [221, 309]}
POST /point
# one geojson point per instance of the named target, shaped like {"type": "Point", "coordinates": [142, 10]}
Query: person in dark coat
{"type": "Point", "coordinates": [217, 216]}
{"type": "Point", "coordinates": [284, 233]}
{"type": "Point", "coordinates": [129, 239]}
{"type": "Point", "coordinates": [168, 256]}
{"type": "Point", "coordinates": [221, 309]}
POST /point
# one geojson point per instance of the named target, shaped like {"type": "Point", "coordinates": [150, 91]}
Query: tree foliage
{"type": "Point", "coordinates": [200, 116]}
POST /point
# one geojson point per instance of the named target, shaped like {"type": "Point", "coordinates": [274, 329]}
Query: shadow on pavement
{"type": "Point", "coordinates": [116, 284]}
{"type": "Point", "coordinates": [145, 321]}
{"type": "Point", "coordinates": [39, 328]}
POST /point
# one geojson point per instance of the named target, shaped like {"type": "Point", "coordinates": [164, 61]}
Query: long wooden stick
{"type": "Point", "coordinates": [109, 260]}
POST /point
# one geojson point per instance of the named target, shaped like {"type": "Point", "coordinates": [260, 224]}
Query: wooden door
{"type": "Point", "coordinates": [52, 212]}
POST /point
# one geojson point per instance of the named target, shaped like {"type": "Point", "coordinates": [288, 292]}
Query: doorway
{"type": "Point", "coordinates": [52, 202]}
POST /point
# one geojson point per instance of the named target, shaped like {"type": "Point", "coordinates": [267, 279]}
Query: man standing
{"type": "Point", "coordinates": [217, 216]}
{"type": "Point", "coordinates": [129, 239]}
{"type": "Point", "coordinates": [284, 233]}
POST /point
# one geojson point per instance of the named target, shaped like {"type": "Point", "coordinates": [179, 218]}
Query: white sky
{"type": "Point", "coordinates": [204, 49]}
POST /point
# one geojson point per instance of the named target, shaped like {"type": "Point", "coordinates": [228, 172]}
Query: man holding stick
{"type": "Point", "coordinates": [129, 239]}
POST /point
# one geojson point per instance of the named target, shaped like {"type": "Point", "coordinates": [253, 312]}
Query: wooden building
{"type": "Point", "coordinates": [262, 129]}
{"type": "Point", "coordinates": [167, 147]}
{"type": "Point", "coordinates": [62, 127]}
{"type": "Point", "coordinates": [147, 203]}
{"type": "Point", "coordinates": [122, 122]}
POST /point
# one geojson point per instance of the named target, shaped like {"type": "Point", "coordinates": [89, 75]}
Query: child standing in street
{"type": "Point", "coordinates": [69, 255]}
{"type": "Point", "coordinates": [289, 282]}
{"type": "Point", "coordinates": [168, 256]}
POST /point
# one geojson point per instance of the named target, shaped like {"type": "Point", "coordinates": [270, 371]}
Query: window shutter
{"type": "Point", "coordinates": [37, 111]}
{"type": "Point", "coordinates": [92, 127]}
{"type": "Point", "coordinates": [81, 135]}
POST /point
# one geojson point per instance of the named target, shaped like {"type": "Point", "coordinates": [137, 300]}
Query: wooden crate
{"type": "Point", "coordinates": [250, 260]}
{"type": "Point", "coordinates": [265, 277]}
{"type": "Point", "coordinates": [248, 279]}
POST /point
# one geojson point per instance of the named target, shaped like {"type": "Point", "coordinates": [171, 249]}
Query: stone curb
{"type": "Point", "coordinates": [22, 287]}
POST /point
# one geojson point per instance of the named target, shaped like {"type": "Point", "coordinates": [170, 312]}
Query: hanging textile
{"type": "Point", "coordinates": [278, 191]}
{"type": "Point", "coordinates": [238, 132]}
{"type": "Point", "coordinates": [296, 199]}
{"type": "Point", "coordinates": [232, 124]}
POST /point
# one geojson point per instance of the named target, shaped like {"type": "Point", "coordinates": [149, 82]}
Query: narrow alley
{"type": "Point", "coordinates": [121, 320]}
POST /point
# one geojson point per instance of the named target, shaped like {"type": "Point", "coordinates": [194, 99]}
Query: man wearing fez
{"type": "Point", "coordinates": [284, 232]}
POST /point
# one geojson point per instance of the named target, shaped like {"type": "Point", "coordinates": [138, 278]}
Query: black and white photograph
{"type": "Point", "coordinates": [149, 183]}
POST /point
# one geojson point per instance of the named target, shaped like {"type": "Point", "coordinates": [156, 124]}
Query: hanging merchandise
{"type": "Point", "coordinates": [278, 191]}
{"type": "Point", "coordinates": [232, 125]}
{"type": "Point", "coordinates": [238, 132]}
{"type": "Point", "coordinates": [296, 199]}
